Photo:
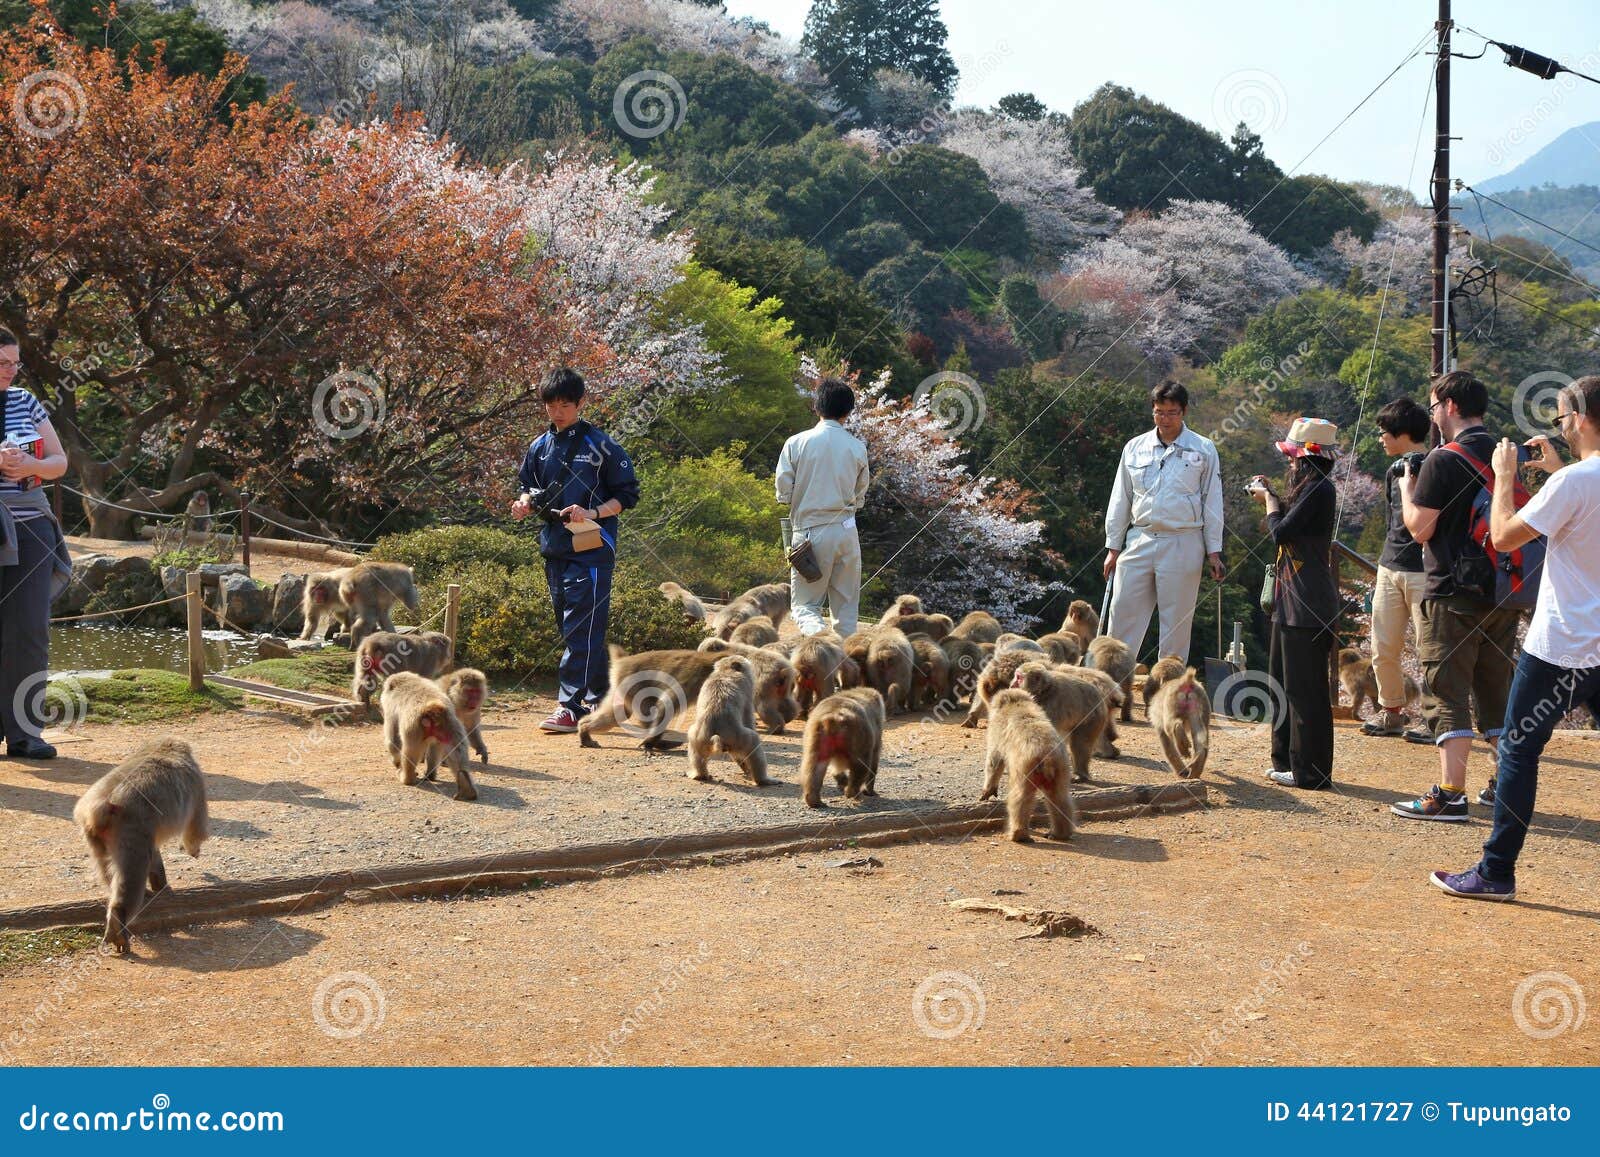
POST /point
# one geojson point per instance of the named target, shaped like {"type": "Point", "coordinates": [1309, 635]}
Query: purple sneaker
{"type": "Point", "coordinates": [1469, 885]}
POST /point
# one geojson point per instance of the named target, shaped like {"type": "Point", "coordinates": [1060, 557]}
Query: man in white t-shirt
{"type": "Point", "coordinates": [1560, 664]}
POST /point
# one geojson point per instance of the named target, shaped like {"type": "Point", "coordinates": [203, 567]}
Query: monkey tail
{"type": "Point", "coordinates": [98, 819]}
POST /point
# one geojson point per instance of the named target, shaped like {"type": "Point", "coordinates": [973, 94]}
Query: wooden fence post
{"type": "Point", "coordinates": [452, 613]}
{"type": "Point", "coordinates": [244, 525]}
{"type": "Point", "coordinates": [197, 653]}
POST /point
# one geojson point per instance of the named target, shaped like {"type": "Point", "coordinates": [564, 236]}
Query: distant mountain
{"type": "Point", "coordinates": [1573, 158]}
{"type": "Point", "coordinates": [1574, 211]}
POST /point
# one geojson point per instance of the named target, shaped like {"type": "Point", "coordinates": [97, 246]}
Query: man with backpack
{"type": "Point", "coordinates": [1559, 669]}
{"type": "Point", "coordinates": [1469, 613]}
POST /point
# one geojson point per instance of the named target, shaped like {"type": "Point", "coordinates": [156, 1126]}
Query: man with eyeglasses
{"type": "Point", "coordinates": [1559, 668]}
{"type": "Point", "coordinates": [1163, 523]}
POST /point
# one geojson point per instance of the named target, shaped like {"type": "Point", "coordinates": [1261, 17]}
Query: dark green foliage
{"type": "Point", "coordinates": [852, 39]}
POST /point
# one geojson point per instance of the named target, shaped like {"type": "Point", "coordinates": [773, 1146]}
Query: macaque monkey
{"type": "Point", "coordinates": [936, 627]}
{"type": "Point", "coordinates": [693, 608]}
{"type": "Point", "coordinates": [930, 674]}
{"type": "Point", "coordinates": [845, 733]}
{"type": "Point", "coordinates": [197, 515]}
{"type": "Point", "coordinates": [1081, 620]}
{"type": "Point", "coordinates": [757, 632]}
{"type": "Point", "coordinates": [1168, 667]}
{"type": "Point", "coordinates": [979, 626]}
{"type": "Point", "coordinates": [1025, 748]}
{"type": "Point", "coordinates": [995, 677]}
{"type": "Point", "coordinates": [127, 814]}
{"type": "Point", "coordinates": [817, 664]}
{"type": "Point", "coordinates": [770, 599]}
{"type": "Point", "coordinates": [1010, 641]}
{"type": "Point", "coordinates": [775, 676]}
{"type": "Point", "coordinates": [1181, 714]}
{"type": "Point", "coordinates": [1112, 656]}
{"type": "Point", "coordinates": [1078, 702]}
{"type": "Point", "coordinates": [890, 660]}
{"type": "Point", "coordinates": [966, 660]}
{"type": "Point", "coordinates": [856, 647]}
{"type": "Point", "coordinates": [725, 721]}
{"type": "Point", "coordinates": [420, 727]}
{"type": "Point", "coordinates": [1062, 647]}
{"type": "Point", "coordinates": [652, 687]}
{"type": "Point", "coordinates": [903, 605]}
{"type": "Point", "coordinates": [425, 653]}
{"type": "Point", "coordinates": [467, 688]}
{"type": "Point", "coordinates": [358, 597]}
{"type": "Point", "coordinates": [1358, 681]}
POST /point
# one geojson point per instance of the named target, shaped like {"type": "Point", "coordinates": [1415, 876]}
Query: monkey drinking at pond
{"type": "Point", "coordinates": [425, 653]}
{"type": "Point", "coordinates": [844, 732]}
{"type": "Point", "coordinates": [156, 793]}
{"type": "Point", "coordinates": [358, 597]}
{"type": "Point", "coordinates": [420, 727]}
{"type": "Point", "coordinates": [466, 689]}
{"type": "Point", "coordinates": [1180, 711]}
{"type": "Point", "coordinates": [1027, 750]}
{"type": "Point", "coordinates": [725, 721]}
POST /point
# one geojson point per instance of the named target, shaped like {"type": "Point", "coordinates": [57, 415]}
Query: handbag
{"type": "Point", "coordinates": [1269, 584]}
{"type": "Point", "coordinates": [804, 560]}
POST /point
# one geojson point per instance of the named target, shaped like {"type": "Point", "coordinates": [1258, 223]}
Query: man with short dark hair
{"type": "Point", "coordinates": [576, 477]}
{"type": "Point", "coordinates": [1397, 593]}
{"type": "Point", "coordinates": [1467, 640]}
{"type": "Point", "coordinates": [1559, 669]}
{"type": "Point", "coordinates": [822, 478]}
{"type": "Point", "coordinates": [1162, 524]}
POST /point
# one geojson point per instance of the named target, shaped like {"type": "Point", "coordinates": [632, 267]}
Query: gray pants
{"type": "Point", "coordinates": [839, 555]}
{"type": "Point", "coordinates": [25, 629]}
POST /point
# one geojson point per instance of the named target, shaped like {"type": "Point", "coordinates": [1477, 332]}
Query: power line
{"type": "Point", "coordinates": [1535, 220]}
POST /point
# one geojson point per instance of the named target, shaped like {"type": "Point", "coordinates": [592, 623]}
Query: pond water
{"type": "Point", "coordinates": [91, 649]}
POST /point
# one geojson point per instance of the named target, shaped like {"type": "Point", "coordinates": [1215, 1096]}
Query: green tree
{"type": "Point", "coordinates": [943, 200]}
{"type": "Point", "coordinates": [916, 287]}
{"type": "Point", "coordinates": [852, 39]}
{"type": "Point", "coordinates": [1139, 154]}
{"type": "Point", "coordinates": [1021, 106]}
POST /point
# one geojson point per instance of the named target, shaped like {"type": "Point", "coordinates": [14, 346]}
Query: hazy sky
{"type": "Point", "coordinates": [1291, 68]}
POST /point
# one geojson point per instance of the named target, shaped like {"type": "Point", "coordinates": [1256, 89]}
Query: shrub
{"type": "Point", "coordinates": [438, 552]}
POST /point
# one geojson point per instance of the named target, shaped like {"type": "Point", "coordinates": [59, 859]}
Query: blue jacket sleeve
{"type": "Point", "coordinates": [617, 477]}
{"type": "Point", "coordinates": [528, 472]}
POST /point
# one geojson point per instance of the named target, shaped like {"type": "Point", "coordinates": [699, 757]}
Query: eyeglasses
{"type": "Point", "coordinates": [1561, 414]}
{"type": "Point", "coordinates": [1167, 413]}
{"type": "Point", "coordinates": [1440, 402]}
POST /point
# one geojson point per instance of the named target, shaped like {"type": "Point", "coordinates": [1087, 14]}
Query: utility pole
{"type": "Point", "coordinates": [1441, 196]}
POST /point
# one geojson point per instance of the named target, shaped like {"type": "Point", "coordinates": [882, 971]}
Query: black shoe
{"type": "Point", "coordinates": [1420, 735]}
{"type": "Point", "coordinates": [1486, 796]}
{"type": "Point", "coordinates": [30, 749]}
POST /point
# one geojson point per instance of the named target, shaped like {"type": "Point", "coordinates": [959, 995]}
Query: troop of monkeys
{"type": "Point", "coordinates": [1051, 704]}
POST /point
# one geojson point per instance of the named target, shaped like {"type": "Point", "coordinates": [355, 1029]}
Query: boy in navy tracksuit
{"type": "Point", "coordinates": [586, 476]}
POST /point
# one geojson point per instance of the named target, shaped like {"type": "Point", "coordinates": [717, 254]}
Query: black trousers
{"type": "Point", "coordinates": [1302, 735]}
{"type": "Point", "coordinates": [25, 629]}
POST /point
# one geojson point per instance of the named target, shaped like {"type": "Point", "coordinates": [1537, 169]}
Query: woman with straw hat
{"type": "Point", "coordinates": [1305, 605]}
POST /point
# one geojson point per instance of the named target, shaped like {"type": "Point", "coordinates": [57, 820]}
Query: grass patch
{"type": "Point", "coordinates": [18, 949]}
{"type": "Point", "coordinates": [325, 672]}
{"type": "Point", "coordinates": [144, 695]}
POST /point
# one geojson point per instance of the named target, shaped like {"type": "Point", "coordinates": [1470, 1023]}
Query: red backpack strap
{"type": "Point", "coordinates": [1483, 468]}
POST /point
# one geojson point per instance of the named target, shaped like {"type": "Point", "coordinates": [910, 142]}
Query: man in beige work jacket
{"type": "Point", "coordinates": [822, 478]}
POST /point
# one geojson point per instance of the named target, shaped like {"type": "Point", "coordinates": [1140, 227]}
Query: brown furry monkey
{"type": "Point", "coordinates": [966, 662]}
{"type": "Point", "coordinates": [1361, 684]}
{"type": "Point", "coordinates": [467, 688]}
{"type": "Point", "coordinates": [652, 687]}
{"type": "Point", "coordinates": [1078, 702]}
{"type": "Point", "coordinates": [425, 653]}
{"type": "Point", "coordinates": [979, 626]}
{"type": "Point", "coordinates": [1181, 714]}
{"type": "Point", "coordinates": [1062, 647]}
{"type": "Point", "coordinates": [756, 632]}
{"type": "Point", "coordinates": [197, 515]}
{"type": "Point", "coordinates": [817, 663]}
{"type": "Point", "coordinates": [725, 721]}
{"type": "Point", "coordinates": [127, 814]}
{"type": "Point", "coordinates": [1169, 667]}
{"type": "Point", "coordinates": [1112, 656]}
{"type": "Point", "coordinates": [770, 599]}
{"type": "Point", "coordinates": [1010, 641]}
{"type": "Point", "coordinates": [856, 647]}
{"type": "Point", "coordinates": [936, 627]}
{"type": "Point", "coordinates": [995, 677]}
{"type": "Point", "coordinates": [358, 597]}
{"type": "Point", "coordinates": [693, 609]}
{"type": "Point", "coordinates": [930, 674]}
{"type": "Point", "coordinates": [420, 727]}
{"type": "Point", "coordinates": [903, 605]}
{"type": "Point", "coordinates": [1081, 620]}
{"type": "Point", "coordinates": [890, 661]}
{"type": "Point", "coordinates": [1025, 748]}
{"type": "Point", "coordinates": [775, 681]}
{"type": "Point", "coordinates": [844, 732]}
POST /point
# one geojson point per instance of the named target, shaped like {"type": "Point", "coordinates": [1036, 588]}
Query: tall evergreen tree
{"type": "Point", "coordinates": [852, 39]}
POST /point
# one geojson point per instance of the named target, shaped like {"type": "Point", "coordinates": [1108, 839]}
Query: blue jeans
{"type": "Point", "coordinates": [1541, 693]}
{"type": "Point", "coordinates": [580, 594]}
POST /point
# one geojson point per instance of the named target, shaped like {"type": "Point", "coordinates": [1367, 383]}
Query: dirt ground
{"type": "Point", "coordinates": [1275, 927]}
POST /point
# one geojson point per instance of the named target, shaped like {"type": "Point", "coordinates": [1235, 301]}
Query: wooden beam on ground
{"type": "Point", "coordinates": [312, 702]}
